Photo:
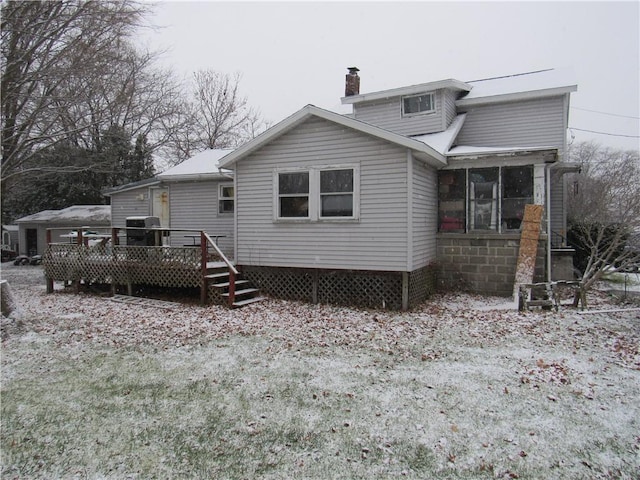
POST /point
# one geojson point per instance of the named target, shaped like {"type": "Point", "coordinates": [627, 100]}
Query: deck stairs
{"type": "Point", "coordinates": [238, 294]}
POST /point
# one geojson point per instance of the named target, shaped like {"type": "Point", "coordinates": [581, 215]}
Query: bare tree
{"type": "Point", "coordinates": [45, 46]}
{"type": "Point", "coordinates": [604, 209]}
{"type": "Point", "coordinates": [215, 116]}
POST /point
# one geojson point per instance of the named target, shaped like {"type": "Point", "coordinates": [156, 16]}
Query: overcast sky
{"type": "Point", "coordinates": [291, 54]}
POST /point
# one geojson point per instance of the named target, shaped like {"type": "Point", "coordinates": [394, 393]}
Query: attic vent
{"type": "Point", "coordinates": [352, 83]}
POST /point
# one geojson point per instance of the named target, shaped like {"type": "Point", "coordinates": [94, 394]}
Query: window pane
{"type": "Point", "coordinates": [419, 103]}
{"type": "Point", "coordinates": [293, 183]}
{"type": "Point", "coordinates": [294, 207]}
{"type": "Point", "coordinates": [226, 206]}
{"type": "Point", "coordinates": [226, 192]}
{"type": "Point", "coordinates": [336, 181]}
{"type": "Point", "coordinates": [337, 205]}
{"type": "Point", "coordinates": [517, 188]}
{"type": "Point", "coordinates": [451, 204]}
{"type": "Point", "coordinates": [483, 198]}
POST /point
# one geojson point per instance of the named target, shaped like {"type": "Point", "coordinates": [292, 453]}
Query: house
{"type": "Point", "coordinates": [32, 229]}
{"type": "Point", "coordinates": [194, 195]}
{"type": "Point", "coordinates": [419, 183]}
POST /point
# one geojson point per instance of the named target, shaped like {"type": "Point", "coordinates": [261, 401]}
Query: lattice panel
{"type": "Point", "coordinates": [422, 284]}
{"type": "Point", "coordinates": [285, 283]}
{"type": "Point", "coordinates": [374, 290]}
{"type": "Point", "coordinates": [161, 266]}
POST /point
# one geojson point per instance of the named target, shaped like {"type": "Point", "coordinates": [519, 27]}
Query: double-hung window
{"type": "Point", "coordinates": [226, 199]}
{"type": "Point", "coordinates": [328, 193]}
{"type": "Point", "coordinates": [336, 193]}
{"type": "Point", "coordinates": [293, 195]}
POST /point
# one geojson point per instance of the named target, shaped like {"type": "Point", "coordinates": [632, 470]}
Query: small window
{"type": "Point", "coordinates": [336, 193]}
{"type": "Point", "coordinates": [293, 195]}
{"type": "Point", "coordinates": [452, 206]}
{"type": "Point", "coordinates": [517, 191]}
{"type": "Point", "coordinates": [418, 104]}
{"type": "Point", "coordinates": [483, 199]}
{"type": "Point", "coordinates": [226, 199]}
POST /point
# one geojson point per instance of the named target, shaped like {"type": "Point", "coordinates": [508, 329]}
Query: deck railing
{"type": "Point", "coordinates": [205, 242]}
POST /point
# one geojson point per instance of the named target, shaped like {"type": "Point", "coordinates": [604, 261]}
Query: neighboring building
{"type": "Point", "coordinates": [365, 208]}
{"type": "Point", "coordinates": [10, 236]}
{"type": "Point", "coordinates": [194, 195]}
{"type": "Point", "coordinates": [32, 229]}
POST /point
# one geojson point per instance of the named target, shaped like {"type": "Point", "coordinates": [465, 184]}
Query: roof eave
{"type": "Point", "coordinates": [451, 83]}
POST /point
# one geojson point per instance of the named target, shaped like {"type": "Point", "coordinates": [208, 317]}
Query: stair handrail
{"type": "Point", "coordinates": [206, 240]}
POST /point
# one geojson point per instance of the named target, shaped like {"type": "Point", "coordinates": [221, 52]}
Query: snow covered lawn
{"type": "Point", "coordinates": [459, 388]}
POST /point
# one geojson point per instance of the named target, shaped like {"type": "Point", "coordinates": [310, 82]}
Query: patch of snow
{"type": "Point", "coordinates": [526, 82]}
{"type": "Point", "coordinates": [203, 163]}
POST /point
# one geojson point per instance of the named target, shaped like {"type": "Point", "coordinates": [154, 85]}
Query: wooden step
{"type": "Point", "coordinates": [246, 291]}
{"type": "Point", "coordinates": [248, 301]}
{"type": "Point", "coordinates": [226, 284]}
{"type": "Point", "coordinates": [217, 276]}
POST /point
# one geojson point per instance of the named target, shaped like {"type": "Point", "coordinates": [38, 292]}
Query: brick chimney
{"type": "Point", "coordinates": [352, 84]}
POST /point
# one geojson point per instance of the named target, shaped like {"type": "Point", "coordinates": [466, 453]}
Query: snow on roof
{"type": "Point", "coordinates": [560, 80]}
{"type": "Point", "coordinates": [467, 150]}
{"type": "Point", "coordinates": [205, 163]}
{"type": "Point", "coordinates": [442, 141]}
{"type": "Point", "coordinates": [90, 214]}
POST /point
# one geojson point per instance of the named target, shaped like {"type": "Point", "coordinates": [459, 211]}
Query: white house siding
{"type": "Point", "coordinates": [527, 123]}
{"type": "Point", "coordinates": [194, 205]}
{"type": "Point", "coordinates": [425, 214]}
{"type": "Point", "coordinates": [132, 203]}
{"type": "Point", "coordinates": [387, 114]}
{"type": "Point", "coordinates": [449, 107]}
{"type": "Point", "coordinates": [378, 241]}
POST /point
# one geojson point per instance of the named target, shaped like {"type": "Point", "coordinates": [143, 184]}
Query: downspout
{"type": "Point", "coordinates": [547, 179]}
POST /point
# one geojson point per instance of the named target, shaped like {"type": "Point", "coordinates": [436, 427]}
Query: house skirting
{"type": "Point", "coordinates": [484, 264]}
{"type": "Point", "coordinates": [358, 288]}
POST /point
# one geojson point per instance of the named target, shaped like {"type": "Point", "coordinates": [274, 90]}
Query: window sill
{"type": "Point", "coordinates": [488, 235]}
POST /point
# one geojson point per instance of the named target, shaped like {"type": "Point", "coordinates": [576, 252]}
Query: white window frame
{"type": "Point", "coordinates": [355, 193]}
{"type": "Point", "coordinates": [423, 112]}
{"type": "Point", "coordinates": [315, 203]}
{"type": "Point", "coordinates": [221, 197]}
{"type": "Point", "coordinates": [277, 196]}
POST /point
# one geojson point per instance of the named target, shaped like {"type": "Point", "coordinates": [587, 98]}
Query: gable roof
{"type": "Point", "coordinates": [91, 214]}
{"type": "Point", "coordinates": [205, 164]}
{"type": "Point", "coordinates": [422, 150]}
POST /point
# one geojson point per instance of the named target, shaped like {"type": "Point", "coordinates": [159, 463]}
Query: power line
{"type": "Point", "coordinates": [605, 133]}
{"type": "Point", "coordinates": [605, 113]}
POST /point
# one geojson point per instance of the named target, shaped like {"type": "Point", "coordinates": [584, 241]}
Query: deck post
{"type": "Point", "coordinates": [49, 280]}
{"type": "Point", "coordinates": [405, 290]}
{"type": "Point", "coordinates": [232, 287]}
{"type": "Point", "coordinates": [204, 285]}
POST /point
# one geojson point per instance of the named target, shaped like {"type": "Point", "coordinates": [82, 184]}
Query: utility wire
{"type": "Point", "coordinates": [605, 113]}
{"type": "Point", "coordinates": [604, 133]}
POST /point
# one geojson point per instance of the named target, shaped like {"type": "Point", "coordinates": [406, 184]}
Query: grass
{"type": "Point", "coordinates": [235, 409]}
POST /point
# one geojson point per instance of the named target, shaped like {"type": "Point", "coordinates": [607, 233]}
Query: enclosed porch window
{"type": "Point", "coordinates": [484, 199]}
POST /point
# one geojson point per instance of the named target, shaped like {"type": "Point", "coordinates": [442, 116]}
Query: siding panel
{"type": "Point", "coordinates": [194, 205]}
{"type": "Point", "coordinates": [425, 204]}
{"type": "Point", "coordinates": [126, 204]}
{"type": "Point", "coordinates": [377, 241]}
{"type": "Point", "coordinates": [528, 123]}
{"type": "Point", "coordinates": [388, 114]}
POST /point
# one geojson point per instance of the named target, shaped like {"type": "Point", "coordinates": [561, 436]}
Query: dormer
{"type": "Point", "coordinates": [413, 110]}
